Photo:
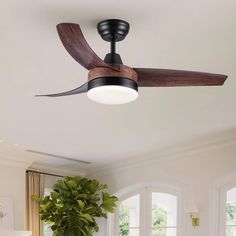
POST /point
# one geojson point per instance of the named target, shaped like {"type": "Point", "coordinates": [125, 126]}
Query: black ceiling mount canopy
{"type": "Point", "coordinates": [113, 30]}
{"type": "Point", "coordinates": [109, 78]}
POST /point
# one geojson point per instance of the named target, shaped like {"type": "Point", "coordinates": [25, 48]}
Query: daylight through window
{"type": "Point", "coordinates": [148, 213]}
{"type": "Point", "coordinates": [231, 213]}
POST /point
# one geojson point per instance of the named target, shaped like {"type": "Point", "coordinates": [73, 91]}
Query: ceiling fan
{"type": "Point", "coordinates": [111, 82]}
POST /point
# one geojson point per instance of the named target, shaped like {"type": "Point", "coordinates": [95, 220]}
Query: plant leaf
{"type": "Point", "coordinates": [81, 204]}
{"type": "Point", "coordinates": [74, 205]}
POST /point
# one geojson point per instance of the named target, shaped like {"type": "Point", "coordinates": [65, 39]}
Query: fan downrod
{"type": "Point", "coordinates": [113, 30]}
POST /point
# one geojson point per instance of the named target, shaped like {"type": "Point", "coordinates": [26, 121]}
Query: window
{"type": "Point", "coordinates": [148, 212]}
{"type": "Point", "coordinates": [164, 212]}
{"type": "Point", "coordinates": [50, 180]}
{"type": "Point", "coordinates": [231, 212]}
{"type": "Point", "coordinates": [46, 227]}
{"type": "Point", "coordinates": [129, 216]}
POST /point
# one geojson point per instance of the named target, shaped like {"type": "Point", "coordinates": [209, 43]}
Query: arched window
{"type": "Point", "coordinates": [147, 212]}
{"type": "Point", "coordinates": [164, 214]}
{"type": "Point", "coordinates": [226, 214]}
{"type": "Point", "coordinates": [231, 212]}
{"type": "Point", "coordinates": [129, 214]}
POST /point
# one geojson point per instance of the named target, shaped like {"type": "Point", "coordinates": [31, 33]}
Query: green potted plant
{"type": "Point", "coordinates": [74, 205]}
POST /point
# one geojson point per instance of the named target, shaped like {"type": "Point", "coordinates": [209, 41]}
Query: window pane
{"type": "Point", "coordinates": [164, 232]}
{"type": "Point", "coordinates": [46, 227]}
{"type": "Point", "coordinates": [230, 231]}
{"type": "Point", "coordinates": [231, 208]}
{"type": "Point", "coordinates": [129, 216]}
{"type": "Point", "coordinates": [164, 210]}
{"type": "Point", "coordinates": [133, 232]}
{"type": "Point", "coordinates": [47, 230]}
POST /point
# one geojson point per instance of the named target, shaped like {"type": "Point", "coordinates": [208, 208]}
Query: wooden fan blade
{"type": "Point", "coordinates": [171, 78]}
{"type": "Point", "coordinates": [74, 42]}
{"type": "Point", "coordinates": [81, 89]}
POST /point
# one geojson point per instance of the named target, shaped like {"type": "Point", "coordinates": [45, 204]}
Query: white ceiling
{"type": "Point", "coordinates": [184, 34]}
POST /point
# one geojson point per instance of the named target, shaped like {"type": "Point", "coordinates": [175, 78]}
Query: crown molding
{"type": "Point", "coordinates": [10, 161]}
{"type": "Point", "coordinates": [204, 145]}
{"type": "Point", "coordinates": [166, 154]}
{"type": "Point", "coordinates": [28, 164]}
{"type": "Point", "coordinates": [56, 171]}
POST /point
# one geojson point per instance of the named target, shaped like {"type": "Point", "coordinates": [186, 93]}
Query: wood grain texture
{"type": "Point", "coordinates": [74, 42]}
{"type": "Point", "coordinates": [82, 89]}
{"type": "Point", "coordinates": [171, 78]}
{"type": "Point", "coordinates": [124, 71]}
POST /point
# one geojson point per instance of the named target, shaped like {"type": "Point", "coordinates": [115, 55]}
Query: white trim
{"type": "Point", "coordinates": [180, 211]}
{"type": "Point", "coordinates": [145, 190]}
{"type": "Point", "coordinates": [165, 188]}
{"type": "Point", "coordinates": [113, 228]}
{"type": "Point", "coordinates": [28, 163]}
{"type": "Point", "coordinates": [56, 171]}
{"type": "Point", "coordinates": [14, 162]}
{"type": "Point", "coordinates": [217, 204]}
{"type": "Point", "coordinates": [148, 211]}
{"type": "Point", "coordinates": [222, 205]}
{"type": "Point", "coordinates": [189, 150]}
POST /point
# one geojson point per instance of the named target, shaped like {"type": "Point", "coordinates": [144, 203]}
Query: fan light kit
{"type": "Point", "coordinates": [112, 90]}
{"type": "Point", "coordinates": [111, 82]}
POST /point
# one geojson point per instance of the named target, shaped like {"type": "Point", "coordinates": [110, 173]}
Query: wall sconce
{"type": "Point", "coordinates": [194, 215]}
{"type": "Point", "coordinates": [195, 220]}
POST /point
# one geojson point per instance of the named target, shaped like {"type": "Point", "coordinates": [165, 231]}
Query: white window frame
{"type": "Point", "coordinates": [217, 200]}
{"type": "Point", "coordinates": [145, 191]}
{"type": "Point", "coordinates": [222, 206]}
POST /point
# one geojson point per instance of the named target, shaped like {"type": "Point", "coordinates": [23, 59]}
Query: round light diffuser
{"type": "Point", "coordinates": [112, 90]}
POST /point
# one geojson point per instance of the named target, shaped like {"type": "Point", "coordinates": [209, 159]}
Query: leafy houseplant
{"type": "Point", "coordinates": [74, 205]}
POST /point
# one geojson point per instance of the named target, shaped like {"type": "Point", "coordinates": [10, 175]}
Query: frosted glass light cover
{"type": "Point", "coordinates": [112, 94]}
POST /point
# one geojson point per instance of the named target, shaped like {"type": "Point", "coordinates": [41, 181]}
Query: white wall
{"type": "Point", "coordinates": [12, 185]}
{"type": "Point", "coordinates": [194, 173]}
